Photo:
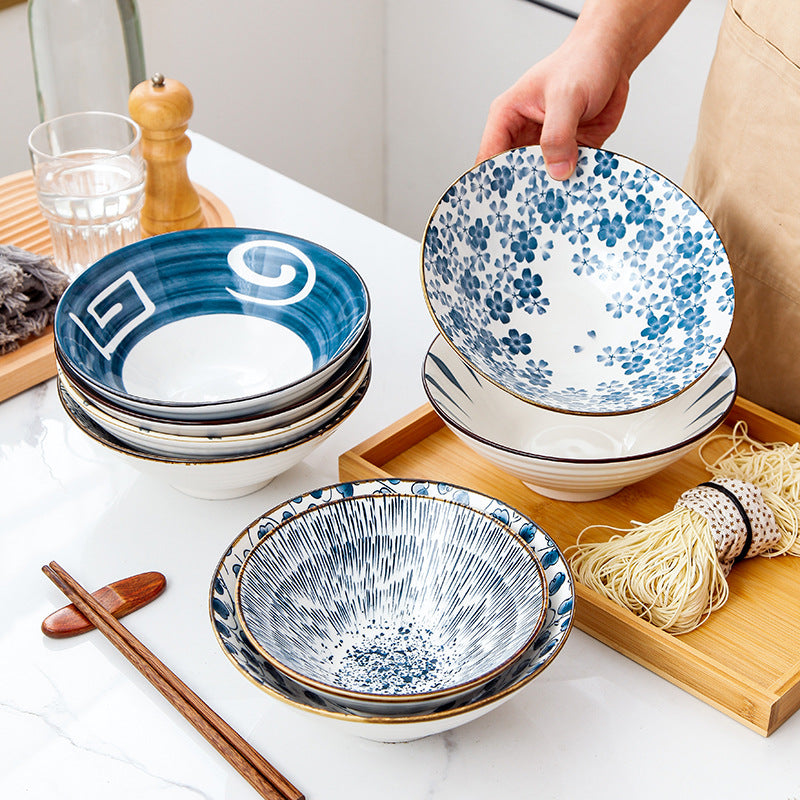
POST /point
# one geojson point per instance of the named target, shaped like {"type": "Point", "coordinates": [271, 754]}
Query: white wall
{"type": "Point", "coordinates": [660, 121]}
{"type": "Point", "coordinates": [447, 60]}
{"type": "Point", "coordinates": [297, 86]}
{"type": "Point", "coordinates": [378, 103]}
{"type": "Point", "coordinates": [18, 112]}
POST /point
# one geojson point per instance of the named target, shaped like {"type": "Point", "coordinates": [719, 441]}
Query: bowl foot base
{"type": "Point", "coordinates": [212, 493]}
{"type": "Point", "coordinates": [573, 496]}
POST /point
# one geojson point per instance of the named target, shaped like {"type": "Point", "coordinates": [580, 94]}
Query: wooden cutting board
{"type": "Point", "coordinates": [22, 224]}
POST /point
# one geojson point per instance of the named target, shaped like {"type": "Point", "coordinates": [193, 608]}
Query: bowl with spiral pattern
{"type": "Point", "coordinates": [211, 324]}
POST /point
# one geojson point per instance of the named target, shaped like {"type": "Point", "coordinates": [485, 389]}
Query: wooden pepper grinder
{"type": "Point", "coordinates": [163, 108]}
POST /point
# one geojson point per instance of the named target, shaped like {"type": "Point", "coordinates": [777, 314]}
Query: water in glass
{"type": "Point", "coordinates": [92, 203]}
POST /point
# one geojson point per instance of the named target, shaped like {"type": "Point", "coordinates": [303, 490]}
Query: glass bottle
{"type": "Point", "coordinates": [87, 54]}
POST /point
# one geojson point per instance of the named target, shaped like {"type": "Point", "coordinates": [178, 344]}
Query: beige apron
{"type": "Point", "coordinates": [744, 172]}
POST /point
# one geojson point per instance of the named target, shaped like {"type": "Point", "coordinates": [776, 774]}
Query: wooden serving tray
{"type": "Point", "coordinates": [22, 224]}
{"type": "Point", "coordinates": [744, 660]}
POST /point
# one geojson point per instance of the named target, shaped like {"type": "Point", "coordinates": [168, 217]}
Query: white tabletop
{"type": "Point", "coordinates": [77, 721]}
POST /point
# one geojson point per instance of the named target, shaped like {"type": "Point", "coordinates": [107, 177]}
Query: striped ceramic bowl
{"type": "Point", "coordinates": [391, 601]}
{"type": "Point", "coordinates": [570, 456]}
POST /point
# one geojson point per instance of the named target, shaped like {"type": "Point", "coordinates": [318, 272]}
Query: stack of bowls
{"type": "Point", "coordinates": [394, 609]}
{"type": "Point", "coordinates": [582, 322]}
{"type": "Point", "coordinates": [214, 358]}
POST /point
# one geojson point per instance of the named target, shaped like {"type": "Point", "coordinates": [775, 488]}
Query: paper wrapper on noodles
{"type": "Point", "coordinates": [775, 468]}
{"type": "Point", "coordinates": [741, 524]}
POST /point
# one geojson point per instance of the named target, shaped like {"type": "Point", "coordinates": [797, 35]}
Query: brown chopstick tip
{"type": "Point", "coordinates": [118, 598]}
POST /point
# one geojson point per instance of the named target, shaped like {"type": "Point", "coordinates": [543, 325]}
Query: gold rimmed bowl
{"type": "Point", "coordinates": [393, 722]}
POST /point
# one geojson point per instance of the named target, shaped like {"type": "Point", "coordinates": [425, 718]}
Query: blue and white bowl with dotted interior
{"type": "Point", "coordinates": [213, 323]}
{"type": "Point", "coordinates": [606, 293]}
{"type": "Point", "coordinates": [386, 725]}
{"type": "Point", "coordinates": [392, 602]}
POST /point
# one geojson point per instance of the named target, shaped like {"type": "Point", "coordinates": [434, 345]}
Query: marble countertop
{"type": "Point", "coordinates": [76, 720]}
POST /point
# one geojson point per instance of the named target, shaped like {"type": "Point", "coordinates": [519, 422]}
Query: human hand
{"type": "Point", "coordinates": [575, 96]}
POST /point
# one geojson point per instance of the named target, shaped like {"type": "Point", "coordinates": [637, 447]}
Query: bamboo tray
{"type": "Point", "coordinates": [22, 224]}
{"type": "Point", "coordinates": [744, 661]}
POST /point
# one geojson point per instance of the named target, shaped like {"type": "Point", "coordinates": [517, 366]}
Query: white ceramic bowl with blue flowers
{"type": "Point", "coordinates": [567, 456]}
{"type": "Point", "coordinates": [336, 712]}
{"type": "Point", "coordinates": [393, 602]}
{"type": "Point", "coordinates": [211, 324]}
{"type": "Point", "coordinates": [602, 294]}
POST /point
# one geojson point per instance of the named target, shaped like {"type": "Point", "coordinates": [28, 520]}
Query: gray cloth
{"type": "Point", "coordinates": [30, 286]}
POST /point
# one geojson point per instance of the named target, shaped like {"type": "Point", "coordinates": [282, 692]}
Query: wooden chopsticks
{"type": "Point", "coordinates": [261, 775]}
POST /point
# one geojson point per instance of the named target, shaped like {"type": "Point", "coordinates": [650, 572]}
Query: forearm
{"type": "Point", "coordinates": [629, 29]}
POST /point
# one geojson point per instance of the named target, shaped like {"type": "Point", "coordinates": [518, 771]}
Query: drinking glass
{"type": "Point", "coordinates": [89, 175]}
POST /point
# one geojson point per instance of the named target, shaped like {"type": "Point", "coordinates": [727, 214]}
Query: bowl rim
{"type": "Point", "coordinates": [397, 699]}
{"type": "Point", "coordinates": [350, 388]}
{"type": "Point", "coordinates": [342, 376]}
{"type": "Point", "coordinates": [345, 348]}
{"type": "Point", "coordinates": [112, 443]}
{"type": "Point", "coordinates": [708, 428]}
{"type": "Point", "coordinates": [489, 378]}
{"type": "Point", "coordinates": [403, 719]}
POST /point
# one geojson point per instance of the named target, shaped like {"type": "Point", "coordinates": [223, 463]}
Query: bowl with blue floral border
{"type": "Point", "coordinates": [606, 293]}
{"type": "Point", "coordinates": [391, 726]}
{"type": "Point", "coordinates": [399, 599]}
{"type": "Point", "coordinates": [214, 323]}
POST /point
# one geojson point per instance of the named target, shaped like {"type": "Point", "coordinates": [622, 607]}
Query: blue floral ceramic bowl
{"type": "Point", "coordinates": [387, 727]}
{"type": "Point", "coordinates": [214, 323]}
{"type": "Point", "coordinates": [603, 294]}
{"type": "Point", "coordinates": [391, 599]}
